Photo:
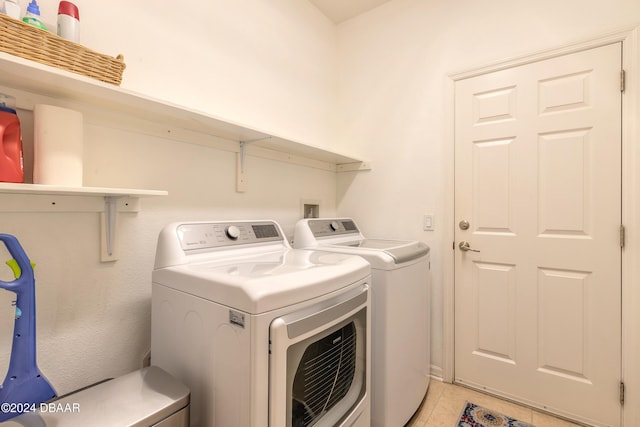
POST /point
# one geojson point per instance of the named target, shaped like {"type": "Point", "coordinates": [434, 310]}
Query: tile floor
{"type": "Point", "coordinates": [444, 402]}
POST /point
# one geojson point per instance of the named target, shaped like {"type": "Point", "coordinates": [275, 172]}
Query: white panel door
{"type": "Point", "coordinates": [538, 179]}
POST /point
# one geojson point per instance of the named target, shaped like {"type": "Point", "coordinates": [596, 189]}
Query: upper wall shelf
{"type": "Point", "coordinates": [48, 81]}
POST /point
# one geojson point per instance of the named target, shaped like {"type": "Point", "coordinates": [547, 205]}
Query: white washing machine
{"type": "Point", "coordinates": [400, 313]}
{"type": "Point", "coordinates": [262, 334]}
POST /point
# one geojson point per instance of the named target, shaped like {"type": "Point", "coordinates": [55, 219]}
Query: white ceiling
{"type": "Point", "coordinates": [341, 10]}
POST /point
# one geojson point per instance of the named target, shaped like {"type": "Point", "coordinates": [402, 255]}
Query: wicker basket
{"type": "Point", "coordinates": [26, 41]}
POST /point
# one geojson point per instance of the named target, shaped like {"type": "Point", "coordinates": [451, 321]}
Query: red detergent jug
{"type": "Point", "coordinates": [11, 160]}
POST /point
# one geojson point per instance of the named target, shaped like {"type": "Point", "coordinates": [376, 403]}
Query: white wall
{"type": "Point", "coordinates": [267, 64]}
{"type": "Point", "coordinates": [394, 62]}
{"type": "Point", "coordinates": [270, 64]}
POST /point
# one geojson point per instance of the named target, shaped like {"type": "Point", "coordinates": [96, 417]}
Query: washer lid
{"type": "Point", "coordinates": [400, 251]}
{"type": "Point", "coordinates": [342, 235]}
{"type": "Point", "coordinates": [263, 282]}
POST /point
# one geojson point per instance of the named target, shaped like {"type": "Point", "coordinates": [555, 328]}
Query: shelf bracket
{"type": "Point", "coordinates": [109, 221]}
{"type": "Point", "coordinates": [241, 183]}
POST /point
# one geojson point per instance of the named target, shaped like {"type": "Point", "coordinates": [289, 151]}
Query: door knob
{"type": "Point", "coordinates": [466, 247]}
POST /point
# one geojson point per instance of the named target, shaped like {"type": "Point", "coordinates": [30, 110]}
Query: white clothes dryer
{"type": "Point", "coordinates": [262, 334]}
{"type": "Point", "coordinates": [400, 313]}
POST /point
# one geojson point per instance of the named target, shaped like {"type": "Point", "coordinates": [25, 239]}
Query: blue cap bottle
{"type": "Point", "coordinates": [32, 17]}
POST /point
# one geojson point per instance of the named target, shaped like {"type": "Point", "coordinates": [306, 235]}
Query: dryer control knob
{"type": "Point", "coordinates": [232, 232]}
{"type": "Point", "coordinates": [334, 225]}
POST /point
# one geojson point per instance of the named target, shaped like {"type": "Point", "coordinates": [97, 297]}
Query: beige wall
{"type": "Point", "coordinates": [393, 68]}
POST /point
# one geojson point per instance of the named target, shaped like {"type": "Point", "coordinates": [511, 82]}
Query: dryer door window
{"type": "Point", "coordinates": [324, 376]}
{"type": "Point", "coordinates": [318, 377]}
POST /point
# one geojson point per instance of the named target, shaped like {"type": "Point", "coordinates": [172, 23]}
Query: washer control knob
{"type": "Point", "coordinates": [232, 232]}
{"type": "Point", "coordinates": [334, 225]}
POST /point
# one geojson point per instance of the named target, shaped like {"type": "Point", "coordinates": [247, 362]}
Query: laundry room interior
{"type": "Point", "coordinates": [374, 88]}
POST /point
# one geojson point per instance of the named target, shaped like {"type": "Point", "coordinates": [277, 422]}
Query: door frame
{"type": "Point", "coordinates": [630, 339]}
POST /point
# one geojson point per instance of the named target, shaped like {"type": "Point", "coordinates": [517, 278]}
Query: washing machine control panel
{"type": "Point", "coordinates": [196, 236]}
{"type": "Point", "coordinates": [332, 227]}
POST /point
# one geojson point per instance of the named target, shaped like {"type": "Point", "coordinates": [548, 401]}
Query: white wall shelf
{"type": "Point", "coordinates": [49, 198]}
{"type": "Point", "coordinates": [164, 117]}
{"type": "Point", "coordinates": [58, 190]}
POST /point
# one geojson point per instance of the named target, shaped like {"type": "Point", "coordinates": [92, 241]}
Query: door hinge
{"type": "Point", "coordinates": [621, 393]}
{"type": "Point", "coordinates": [622, 235]}
{"type": "Point", "coordinates": [623, 80]}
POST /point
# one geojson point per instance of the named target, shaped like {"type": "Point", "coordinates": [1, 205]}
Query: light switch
{"type": "Point", "coordinates": [427, 222]}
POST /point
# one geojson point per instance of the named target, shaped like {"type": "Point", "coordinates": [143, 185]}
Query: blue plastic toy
{"type": "Point", "coordinates": [24, 384]}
